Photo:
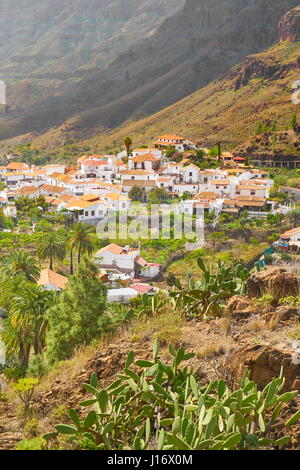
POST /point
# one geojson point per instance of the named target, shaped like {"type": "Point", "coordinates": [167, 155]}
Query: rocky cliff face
{"type": "Point", "coordinates": [289, 26]}
{"type": "Point", "coordinates": [191, 48]}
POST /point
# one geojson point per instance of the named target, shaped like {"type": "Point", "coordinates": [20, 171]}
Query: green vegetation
{"type": "Point", "coordinates": [207, 297]}
{"type": "Point", "coordinates": [162, 406]}
{"type": "Point", "coordinates": [78, 315]}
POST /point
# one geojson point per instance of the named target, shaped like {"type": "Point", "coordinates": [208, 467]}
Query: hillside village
{"type": "Point", "coordinates": [100, 185]}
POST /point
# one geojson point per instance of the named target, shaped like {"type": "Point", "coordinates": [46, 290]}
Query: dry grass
{"type": "Point", "coordinates": [214, 349]}
{"type": "Point", "coordinates": [255, 324]}
{"type": "Point", "coordinates": [165, 326]}
{"type": "Point", "coordinates": [274, 322]}
{"type": "Point", "coordinates": [225, 325]}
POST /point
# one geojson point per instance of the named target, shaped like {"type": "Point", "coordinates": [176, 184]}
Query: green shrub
{"type": "Point", "coordinates": [36, 443]}
{"type": "Point", "coordinates": [24, 389]}
{"type": "Point", "coordinates": [31, 428]}
{"type": "Point", "coordinates": [290, 301]}
{"type": "Point", "coordinates": [266, 300]}
{"type": "Point", "coordinates": [59, 414]}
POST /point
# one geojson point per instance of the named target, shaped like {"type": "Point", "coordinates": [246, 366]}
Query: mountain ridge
{"type": "Point", "coordinates": [190, 49]}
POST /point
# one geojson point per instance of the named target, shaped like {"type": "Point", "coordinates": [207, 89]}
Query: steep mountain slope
{"type": "Point", "coordinates": [51, 42]}
{"type": "Point", "coordinates": [190, 49]}
{"type": "Point", "coordinates": [227, 110]}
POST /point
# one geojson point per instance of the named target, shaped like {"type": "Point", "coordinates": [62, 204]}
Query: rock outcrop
{"type": "Point", "coordinates": [241, 307]}
{"type": "Point", "coordinates": [264, 363]}
{"type": "Point", "coordinates": [274, 281]}
{"type": "Point", "coordinates": [289, 26]}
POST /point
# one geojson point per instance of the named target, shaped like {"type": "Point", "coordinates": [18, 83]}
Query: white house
{"type": "Point", "coordinates": [116, 257]}
{"type": "Point", "coordinates": [54, 168]}
{"type": "Point", "coordinates": [147, 161]}
{"type": "Point", "coordinates": [166, 182]}
{"type": "Point", "coordinates": [256, 190]}
{"type": "Point", "coordinates": [191, 174]}
{"type": "Point", "coordinates": [292, 237]}
{"type": "Point", "coordinates": [126, 260]}
{"type": "Point", "coordinates": [10, 210]}
{"type": "Point", "coordinates": [122, 295]}
{"type": "Point", "coordinates": [49, 280]}
{"type": "Point", "coordinates": [87, 210]}
{"type": "Point", "coordinates": [221, 187]}
{"type": "Point", "coordinates": [181, 188]}
{"type": "Point", "coordinates": [181, 144]}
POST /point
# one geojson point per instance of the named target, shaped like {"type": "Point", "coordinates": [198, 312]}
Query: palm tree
{"type": "Point", "coordinates": [25, 325]}
{"type": "Point", "coordinates": [81, 240]}
{"type": "Point", "coordinates": [21, 263]}
{"type": "Point", "coordinates": [28, 308]}
{"type": "Point", "coordinates": [128, 144]}
{"type": "Point", "coordinates": [52, 247]}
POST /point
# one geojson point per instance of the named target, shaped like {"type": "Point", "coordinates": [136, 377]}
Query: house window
{"type": "Point", "coordinates": [190, 173]}
{"type": "Point", "coordinates": [93, 213]}
{"type": "Point", "coordinates": [100, 212]}
{"type": "Point", "coordinates": [252, 193]}
{"type": "Point", "coordinates": [86, 213]}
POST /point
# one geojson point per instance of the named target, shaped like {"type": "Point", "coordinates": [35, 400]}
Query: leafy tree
{"type": "Point", "coordinates": [200, 154]}
{"type": "Point", "coordinates": [77, 318]}
{"type": "Point", "coordinates": [137, 194]}
{"type": "Point", "coordinates": [158, 195]}
{"type": "Point", "coordinates": [170, 151]}
{"type": "Point", "coordinates": [51, 247]}
{"type": "Point", "coordinates": [186, 196]}
{"type": "Point", "coordinates": [213, 152]}
{"type": "Point", "coordinates": [21, 263]}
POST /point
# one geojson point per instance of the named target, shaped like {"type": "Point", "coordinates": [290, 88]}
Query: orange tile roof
{"type": "Point", "coordinates": [113, 248]}
{"type": "Point", "coordinates": [94, 162]}
{"type": "Point", "coordinates": [116, 249]}
{"type": "Point", "coordinates": [136, 172]}
{"type": "Point", "coordinates": [17, 166]}
{"type": "Point", "coordinates": [139, 183]}
{"type": "Point", "coordinates": [28, 190]}
{"type": "Point", "coordinates": [171, 137]}
{"type": "Point", "coordinates": [220, 182]}
{"type": "Point", "coordinates": [148, 157]}
{"type": "Point", "coordinates": [290, 233]}
{"type": "Point", "coordinates": [51, 188]}
{"type": "Point", "coordinates": [206, 195]}
{"type": "Point", "coordinates": [89, 197]}
{"type": "Point", "coordinates": [50, 277]}
{"type": "Point", "coordinates": [116, 197]}
{"type": "Point", "coordinates": [164, 179]}
{"type": "Point", "coordinates": [74, 205]}
{"type": "Point", "coordinates": [250, 186]}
